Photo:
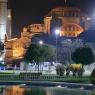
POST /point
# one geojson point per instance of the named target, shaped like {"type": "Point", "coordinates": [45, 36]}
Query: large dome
{"type": "Point", "coordinates": [70, 20]}
{"type": "Point", "coordinates": [88, 36]}
{"type": "Point", "coordinates": [65, 11]}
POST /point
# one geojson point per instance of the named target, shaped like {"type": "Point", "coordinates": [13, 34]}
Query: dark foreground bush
{"type": "Point", "coordinates": [92, 77]}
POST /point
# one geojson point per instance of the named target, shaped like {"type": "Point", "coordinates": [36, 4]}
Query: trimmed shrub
{"type": "Point", "coordinates": [60, 69]}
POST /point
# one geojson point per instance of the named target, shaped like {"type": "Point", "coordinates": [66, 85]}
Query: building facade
{"type": "Point", "coordinates": [70, 21]}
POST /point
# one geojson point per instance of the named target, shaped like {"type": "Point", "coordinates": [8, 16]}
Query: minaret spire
{"type": "Point", "coordinates": [65, 1]}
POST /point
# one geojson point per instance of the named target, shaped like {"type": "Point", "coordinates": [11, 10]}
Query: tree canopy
{"type": "Point", "coordinates": [1, 46]}
{"type": "Point", "coordinates": [39, 53]}
{"type": "Point", "coordinates": [83, 55]}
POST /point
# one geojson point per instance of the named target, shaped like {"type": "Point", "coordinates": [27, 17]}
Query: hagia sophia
{"type": "Point", "coordinates": [70, 21]}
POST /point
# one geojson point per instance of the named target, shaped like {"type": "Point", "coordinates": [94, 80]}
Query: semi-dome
{"type": "Point", "coordinates": [88, 36]}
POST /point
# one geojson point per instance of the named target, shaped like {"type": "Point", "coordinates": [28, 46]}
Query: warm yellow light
{"type": "Point", "coordinates": [9, 16]}
{"type": "Point", "coordinates": [76, 65]}
{"type": "Point", "coordinates": [18, 52]}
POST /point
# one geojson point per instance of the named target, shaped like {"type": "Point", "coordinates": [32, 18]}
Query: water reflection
{"type": "Point", "coordinates": [35, 91]}
{"type": "Point", "coordinates": [13, 90]}
{"type": "Point", "coordinates": [61, 91]}
{"type": "Point", "coordinates": [19, 90]}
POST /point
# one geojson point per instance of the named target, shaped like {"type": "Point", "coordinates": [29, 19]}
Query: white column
{"type": "Point", "coordinates": [3, 19]}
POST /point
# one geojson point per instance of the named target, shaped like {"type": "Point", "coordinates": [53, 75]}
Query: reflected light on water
{"type": "Point", "coordinates": [58, 90]}
{"type": "Point", "coordinates": [81, 88]}
{"type": "Point", "coordinates": [59, 86]}
{"type": "Point", "coordinates": [13, 90]}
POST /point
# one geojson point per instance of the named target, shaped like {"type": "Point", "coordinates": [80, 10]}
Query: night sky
{"type": "Point", "coordinates": [25, 12]}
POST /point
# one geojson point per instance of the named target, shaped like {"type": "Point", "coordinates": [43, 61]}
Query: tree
{"type": "Point", "coordinates": [39, 53]}
{"type": "Point", "coordinates": [1, 51]}
{"type": "Point", "coordinates": [1, 47]}
{"type": "Point", "coordinates": [83, 55]}
{"type": "Point", "coordinates": [76, 69]}
{"type": "Point", "coordinates": [60, 69]}
{"type": "Point", "coordinates": [47, 52]}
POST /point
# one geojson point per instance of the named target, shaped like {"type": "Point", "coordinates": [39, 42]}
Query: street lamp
{"type": "Point", "coordinates": [41, 42]}
{"type": "Point", "coordinates": [57, 31]}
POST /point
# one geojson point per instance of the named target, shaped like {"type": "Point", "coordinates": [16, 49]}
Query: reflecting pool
{"type": "Point", "coordinates": [25, 90]}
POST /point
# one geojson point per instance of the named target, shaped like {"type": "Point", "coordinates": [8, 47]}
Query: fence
{"type": "Point", "coordinates": [28, 77]}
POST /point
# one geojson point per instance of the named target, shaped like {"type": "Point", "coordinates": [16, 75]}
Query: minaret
{"type": "Point", "coordinates": [3, 19]}
{"type": "Point", "coordinates": [9, 28]}
{"type": "Point", "coordinates": [65, 1]}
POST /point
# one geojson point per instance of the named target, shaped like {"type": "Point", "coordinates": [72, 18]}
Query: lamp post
{"type": "Point", "coordinates": [39, 66]}
{"type": "Point", "coordinates": [57, 33]}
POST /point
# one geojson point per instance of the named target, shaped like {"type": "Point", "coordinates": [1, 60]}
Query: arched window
{"type": "Point", "coordinates": [68, 28]}
{"type": "Point", "coordinates": [65, 28]}
{"type": "Point", "coordinates": [77, 29]}
{"type": "Point", "coordinates": [73, 28]}
{"type": "Point", "coordinates": [73, 34]}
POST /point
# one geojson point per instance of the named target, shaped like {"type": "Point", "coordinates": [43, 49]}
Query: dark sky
{"type": "Point", "coordinates": [25, 12]}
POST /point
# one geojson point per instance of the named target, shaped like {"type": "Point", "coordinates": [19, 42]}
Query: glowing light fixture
{"type": "Point", "coordinates": [40, 42]}
{"type": "Point", "coordinates": [57, 31]}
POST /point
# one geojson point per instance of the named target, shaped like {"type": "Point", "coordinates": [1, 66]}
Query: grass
{"type": "Point", "coordinates": [7, 72]}
{"type": "Point", "coordinates": [84, 79]}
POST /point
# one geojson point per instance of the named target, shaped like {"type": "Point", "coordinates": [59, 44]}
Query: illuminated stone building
{"type": "Point", "coordinates": [14, 50]}
{"type": "Point", "coordinates": [70, 21]}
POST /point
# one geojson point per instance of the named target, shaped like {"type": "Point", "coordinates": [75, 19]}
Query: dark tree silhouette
{"type": "Point", "coordinates": [1, 46]}
{"type": "Point", "coordinates": [83, 55]}
{"type": "Point", "coordinates": [39, 53]}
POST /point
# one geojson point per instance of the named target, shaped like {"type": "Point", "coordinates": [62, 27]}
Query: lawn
{"type": "Point", "coordinates": [84, 79]}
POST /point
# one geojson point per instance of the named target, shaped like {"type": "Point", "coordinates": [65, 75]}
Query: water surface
{"type": "Point", "coordinates": [25, 90]}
